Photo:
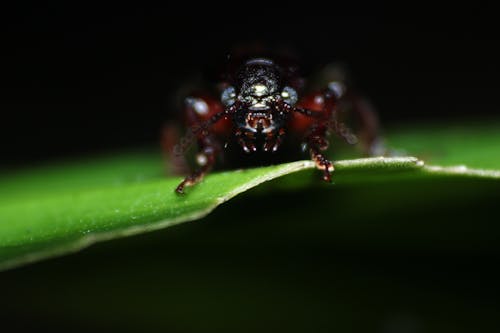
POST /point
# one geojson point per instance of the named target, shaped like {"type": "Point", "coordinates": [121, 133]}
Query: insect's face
{"type": "Point", "coordinates": [259, 96]}
{"type": "Point", "coordinates": [258, 93]}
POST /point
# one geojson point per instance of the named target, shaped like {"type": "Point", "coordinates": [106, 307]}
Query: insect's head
{"type": "Point", "coordinates": [259, 86]}
{"type": "Point", "coordinates": [258, 90]}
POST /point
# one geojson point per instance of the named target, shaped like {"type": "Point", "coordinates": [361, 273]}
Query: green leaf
{"type": "Point", "coordinates": [54, 210]}
{"type": "Point", "coordinates": [67, 219]}
{"type": "Point", "coordinates": [476, 145]}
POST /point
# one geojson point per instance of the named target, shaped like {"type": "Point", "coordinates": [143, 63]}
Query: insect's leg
{"type": "Point", "coordinates": [175, 162]}
{"type": "Point", "coordinates": [205, 115]}
{"type": "Point", "coordinates": [342, 130]}
{"type": "Point", "coordinates": [322, 108]}
{"type": "Point", "coordinates": [208, 149]}
{"type": "Point", "coordinates": [337, 107]}
{"type": "Point", "coordinates": [273, 140]}
{"type": "Point", "coordinates": [319, 110]}
{"type": "Point", "coordinates": [350, 107]}
{"type": "Point", "coordinates": [246, 141]}
{"type": "Point", "coordinates": [317, 142]}
{"type": "Point", "coordinates": [368, 127]}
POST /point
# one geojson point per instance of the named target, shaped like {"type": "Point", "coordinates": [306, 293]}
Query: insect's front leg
{"type": "Point", "coordinates": [208, 147]}
{"type": "Point", "coordinates": [317, 114]}
{"type": "Point", "coordinates": [246, 140]}
{"type": "Point", "coordinates": [317, 142]}
{"type": "Point", "coordinates": [208, 121]}
{"type": "Point", "coordinates": [274, 140]}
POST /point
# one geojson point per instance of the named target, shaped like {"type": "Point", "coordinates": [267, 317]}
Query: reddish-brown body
{"type": "Point", "coordinates": [300, 123]}
{"type": "Point", "coordinates": [213, 107]}
{"type": "Point", "coordinates": [258, 106]}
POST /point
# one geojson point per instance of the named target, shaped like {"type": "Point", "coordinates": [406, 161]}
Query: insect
{"type": "Point", "coordinates": [262, 103]}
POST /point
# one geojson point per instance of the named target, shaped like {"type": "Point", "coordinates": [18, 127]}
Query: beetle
{"type": "Point", "coordinates": [260, 102]}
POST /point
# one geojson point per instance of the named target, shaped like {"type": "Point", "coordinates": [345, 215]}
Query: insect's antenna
{"type": "Point", "coordinates": [308, 113]}
{"type": "Point", "coordinates": [195, 130]}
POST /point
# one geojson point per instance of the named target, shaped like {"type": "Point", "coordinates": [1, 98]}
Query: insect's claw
{"type": "Point", "coordinates": [249, 148]}
{"type": "Point", "coordinates": [327, 177]}
{"type": "Point", "coordinates": [323, 164]}
{"type": "Point", "coordinates": [180, 188]}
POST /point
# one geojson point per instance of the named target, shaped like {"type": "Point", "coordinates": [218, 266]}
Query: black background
{"type": "Point", "coordinates": [81, 79]}
{"type": "Point", "coordinates": [85, 78]}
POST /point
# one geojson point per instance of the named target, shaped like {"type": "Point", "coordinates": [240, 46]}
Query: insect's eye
{"type": "Point", "coordinates": [289, 95]}
{"type": "Point", "coordinates": [228, 96]}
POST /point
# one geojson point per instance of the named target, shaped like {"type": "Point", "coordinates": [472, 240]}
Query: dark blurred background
{"type": "Point", "coordinates": [81, 78]}
{"type": "Point", "coordinates": [421, 257]}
